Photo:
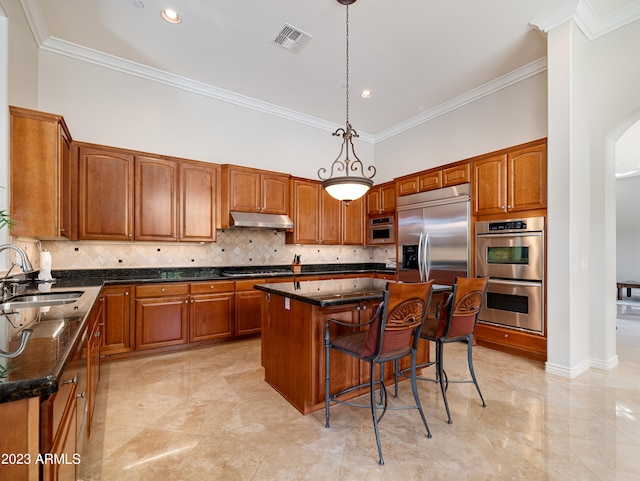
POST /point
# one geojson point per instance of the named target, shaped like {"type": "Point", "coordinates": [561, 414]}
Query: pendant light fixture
{"type": "Point", "coordinates": [340, 183]}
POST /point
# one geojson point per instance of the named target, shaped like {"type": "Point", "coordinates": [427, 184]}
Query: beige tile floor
{"type": "Point", "coordinates": [208, 414]}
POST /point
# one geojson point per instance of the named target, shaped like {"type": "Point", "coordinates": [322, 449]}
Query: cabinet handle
{"type": "Point", "coordinates": [97, 334]}
{"type": "Point", "coordinates": [126, 293]}
{"type": "Point", "coordinates": [162, 290]}
{"type": "Point", "coordinates": [506, 336]}
{"type": "Point", "coordinates": [71, 381]}
{"type": "Point", "coordinates": [212, 287]}
{"type": "Point", "coordinates": [357, 308]}
{"type": "Point", "coordinates": [364, 308]}
{"type": "Point", "coordinates": [82, 395]}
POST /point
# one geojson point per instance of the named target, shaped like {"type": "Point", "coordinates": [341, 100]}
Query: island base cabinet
{"type": "Point", "coordinates": [293, 350]}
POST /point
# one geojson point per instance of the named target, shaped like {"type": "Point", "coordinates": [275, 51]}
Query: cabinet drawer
{"type": "Point", "coordinates": [247, 285]}
{"type": "Point", "coordinates": [159, 290]}
{"type": "Point", "coordinates": [209, 287]}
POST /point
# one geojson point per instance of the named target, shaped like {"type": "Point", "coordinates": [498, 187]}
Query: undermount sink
{"type": "Point", "coordinates": [40, 299]}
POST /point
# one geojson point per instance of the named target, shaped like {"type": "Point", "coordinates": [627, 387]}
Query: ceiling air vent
{"type": "Point", "coordinates": [291, 38]}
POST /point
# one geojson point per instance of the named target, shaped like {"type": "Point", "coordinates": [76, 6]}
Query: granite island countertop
{"type": "Point", "coordinates": [333, 292]}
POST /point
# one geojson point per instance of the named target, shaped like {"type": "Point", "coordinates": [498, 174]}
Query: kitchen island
{"type": "Point", "coordinates": [293, 325]}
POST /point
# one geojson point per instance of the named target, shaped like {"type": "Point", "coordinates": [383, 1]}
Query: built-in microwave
{"type": "Point", "coordinates": [382, 230]}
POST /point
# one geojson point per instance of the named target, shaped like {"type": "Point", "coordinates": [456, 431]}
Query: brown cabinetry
{"type": "Point", "coordinates": [454, 174]}
{"type": "Point", "coordinates": [381, 199]}
{"type": "Point", "coordinates": [248, 319]}
{"type": "Point", "coordinates": [105, 193]}
{"type": "Point", "coordinates": [211, 311]}
{"type": "Point", "coordinates": [174, 200]}
{"type": "Point", "coordinates": [511, 181]}
{"type": "Point", "coordinates": [318, 218]}
{"type": "Point", "coordinates": [118, 331]}
{"type": "Point", "coordinates": [161, 312]}
{"type": "Point", "coordinates": [252, 190]}
{"type": "Point", "coordinates": [43, 177]}
{"type": "Point", "coordinates": [95, 324]}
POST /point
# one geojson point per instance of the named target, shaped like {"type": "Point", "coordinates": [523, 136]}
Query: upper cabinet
{"type": "Point", "coordinates": [42, 176]}
{"type": "Point", "coordinates": [381, 199]}
{"type": "Point", "coordinates": [455, 174]}
{"type": "Point", "coordinates": [511, 181]}
{"type": "Point", "coordinates": [129, 196]}
{"type": "Point", "coordinates": [105, 193]}
{"type": "Point", "coordinates": [318, 218]}
{"type": "Point", "coordinates": [175, 200]}
{"type": "Point", "coordinates": [253, 190]}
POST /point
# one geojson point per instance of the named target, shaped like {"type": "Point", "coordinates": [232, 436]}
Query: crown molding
{"type": "Point", "coordinates": [489, 88]}
{"type": "Point", "coordinates": [578, 10]}
{"type": "Point", "coordinates": [587, 20]}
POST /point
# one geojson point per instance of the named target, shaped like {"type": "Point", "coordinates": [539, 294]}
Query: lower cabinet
{"type": "Point", "coordinates": [118, 333]}
{"type": "Point", "coordinates": [161, 312]}
{"type": "Point", "coordinates": [248, 304]}
{"type": "Point", "coordinates": [211, 310]}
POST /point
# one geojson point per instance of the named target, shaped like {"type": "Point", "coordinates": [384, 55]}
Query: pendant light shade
{"type": "Point", "coordinates": [347, 180]}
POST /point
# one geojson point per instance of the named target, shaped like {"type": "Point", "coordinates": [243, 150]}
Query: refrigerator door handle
{"type": "Point", "coordinates": [420, 259]}
{"type": "Point", "coordinates": [426, 257]}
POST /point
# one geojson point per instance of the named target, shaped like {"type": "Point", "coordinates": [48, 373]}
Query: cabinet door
{"type": "Point", "coordinates": [198, 190]}
{"type": "Point", "coordinates": [161, 322]}
{"type": "Point", "coordinates": [490, 185]}
{"type": "Point", "coordinates": [330, 219]}
{"type": "Point", "coordinates": [211, 316]}
{"type": "Point", "coordinates": [388, 197]}
{"type": "Point", "coordinates": [374, 201]}
{"type": "Point", "coordinates": [106, 194]}
{"type": "Point", "coordinates": [244, 190]}
{"type": "Point", "coordinates": [353, 223]}
{"type": "Point", "coordinates": [306, 212]}
{"type": "Point", "coordinates": [118, 332]}
{"type": "Point", "coordinates": [275, 194]}
{"type": "Point", "coordinates": [527, 178]}
{"type": "Point", "coordinates": [64, 447]}
{"type": "Point", "coordinates": [410, 185]}
{"type": "Point", "coordinates": [460, 174]}
{"type": "Point", "coordinates": [40, 160]}
{"type": "Point", "coordinates": [156, 196]}
{"type": "Point", "coordinates": [430, 180]}
{"type": "Point", "coordinates": [248, 305]}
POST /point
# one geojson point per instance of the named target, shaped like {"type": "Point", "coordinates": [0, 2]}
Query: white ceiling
{"type": "Point", "coordinates": [415, 55]}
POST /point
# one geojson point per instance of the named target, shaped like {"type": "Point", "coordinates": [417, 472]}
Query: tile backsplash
{"type": "Point", "coordinates": [234, 247]}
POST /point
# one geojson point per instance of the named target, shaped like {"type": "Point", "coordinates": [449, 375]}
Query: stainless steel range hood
{"type": "Point", "coordinates": [265, 221]}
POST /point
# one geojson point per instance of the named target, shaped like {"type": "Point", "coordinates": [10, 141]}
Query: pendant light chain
{"type": "Point", "coordinates": [347, 57]}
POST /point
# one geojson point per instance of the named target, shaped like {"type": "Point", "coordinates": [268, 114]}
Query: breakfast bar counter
{"type": "Point", "coordinates": [293, 327]}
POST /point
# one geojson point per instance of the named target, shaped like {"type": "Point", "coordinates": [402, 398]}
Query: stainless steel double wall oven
{"type": "Point", "coordinates": [511, 253]}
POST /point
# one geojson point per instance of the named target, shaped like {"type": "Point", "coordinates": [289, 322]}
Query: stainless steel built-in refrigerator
{"type": "Point", "coordinates": [433, 235]}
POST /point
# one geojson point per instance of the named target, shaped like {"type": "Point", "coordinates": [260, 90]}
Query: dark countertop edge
{"type": "Point", "coordinates": [44, 385]}
{"type": "Point", "coordinates": [319, 302]}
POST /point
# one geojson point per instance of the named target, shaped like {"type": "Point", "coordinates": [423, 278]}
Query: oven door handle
{"type": "Point", "coordinates": [516, 282]}
{"type": "Point", "coordinates": [512, 234]}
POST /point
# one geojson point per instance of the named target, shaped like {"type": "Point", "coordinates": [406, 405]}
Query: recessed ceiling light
{"type": "Point", "coordinates": [365, 94]}
{"type": "Point", "coordinates": [171, 16]}
{"type": "Point", "coordinates": [138, 3]}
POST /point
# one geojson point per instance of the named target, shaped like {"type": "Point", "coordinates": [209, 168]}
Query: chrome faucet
{"type": "Point", "coordinates": [26, 264]}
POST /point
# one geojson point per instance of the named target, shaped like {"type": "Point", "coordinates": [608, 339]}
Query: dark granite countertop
{"type": "Point", "coordinates": [97, 277]}
{"type": "Point", "coordinates": [333, 292]}
{"type": "Point", "coordinates": [57, 330]}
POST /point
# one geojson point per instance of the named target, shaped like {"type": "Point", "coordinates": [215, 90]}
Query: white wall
{"type": "Point", "coordinates": [511, 116]}
{"type": "Point", "coordinates": [112, 108]}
